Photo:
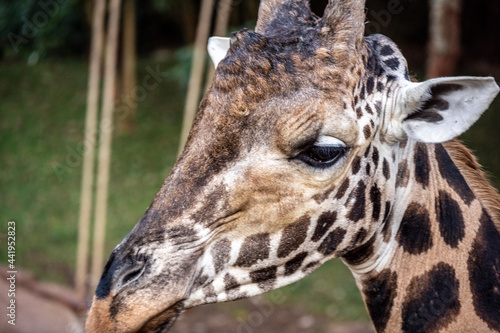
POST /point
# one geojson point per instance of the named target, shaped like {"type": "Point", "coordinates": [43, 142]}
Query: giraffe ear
{"type": "Point", "coordinates": [441, 109]}
{"type": "Point", "coordinates": [217, 48]}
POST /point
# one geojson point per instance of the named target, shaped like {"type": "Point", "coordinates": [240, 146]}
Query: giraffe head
{"type": "Point", "coordinates": [289, 164]}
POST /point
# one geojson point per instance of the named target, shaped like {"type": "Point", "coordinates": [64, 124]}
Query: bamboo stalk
{"type": "Point", "coordinates": [221, 23]}
{"type": "Point", "coordinates": [126, 122]}
{"type": "Point", "coordinates": [197, 69]}
{"type": "Point", "coordinates": [444, 37]}
{"type": "Point", "coordinates": [106, 131]}
{"type": "Point", "coordinates": [89, 146]}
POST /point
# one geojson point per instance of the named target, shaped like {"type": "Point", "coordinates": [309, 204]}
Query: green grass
{"type": "Point", "coordinates": [41, 134]}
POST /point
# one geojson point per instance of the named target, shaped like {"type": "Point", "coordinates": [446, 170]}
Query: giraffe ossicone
{"type": "Point", "coordinates": [313, 143]}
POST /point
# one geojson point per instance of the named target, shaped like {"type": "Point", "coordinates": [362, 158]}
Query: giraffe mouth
{"type": "Point", "coordinates": [163, 322]}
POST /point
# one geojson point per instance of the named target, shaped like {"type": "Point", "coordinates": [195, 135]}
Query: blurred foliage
{"type": "Point", "coordinates": [183, 57]}
{"type": "Point", "coordinates": [60, 28]}
{"type": "Point", "coordinates": [36, 29]}
{"type": "Point", "coordinates": [163, 5]}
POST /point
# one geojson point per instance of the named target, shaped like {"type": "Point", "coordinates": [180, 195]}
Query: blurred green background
{"type": "Point", "coordinates": [43, 87]}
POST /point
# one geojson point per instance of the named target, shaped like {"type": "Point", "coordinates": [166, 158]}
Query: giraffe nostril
{"type": "Point", "coordinates": [131, 275]}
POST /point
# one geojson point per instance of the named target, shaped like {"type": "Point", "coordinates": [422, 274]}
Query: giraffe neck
{"type": "Point", "coordinates": [436, 259]}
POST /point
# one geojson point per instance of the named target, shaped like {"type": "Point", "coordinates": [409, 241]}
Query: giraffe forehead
{"type": "Point", "coordinates": [257, 68]}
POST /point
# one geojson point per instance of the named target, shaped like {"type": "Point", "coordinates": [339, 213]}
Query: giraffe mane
{"type": "Point", "coordinates": [476, 177]}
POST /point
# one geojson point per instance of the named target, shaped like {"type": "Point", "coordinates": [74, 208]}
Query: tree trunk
{"type": "Point", "coordinates": [106, 131]}
{"type": "Point", "coordinates": [189, 21]}
{"type": "Point", "coordinates": [126, 120]}
{"type": "Point", "coordinates": [444, 44]}
{"type": "Point", "coordinates": [197, 69]}
{"type": "Point", "coordinates": [89, 146]}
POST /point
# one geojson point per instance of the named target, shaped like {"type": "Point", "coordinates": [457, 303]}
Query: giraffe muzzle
{"type": "Point", "coordinates": [141, 292]}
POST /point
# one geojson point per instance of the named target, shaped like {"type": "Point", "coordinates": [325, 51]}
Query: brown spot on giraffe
{"type": "Point", "coordinates": [357, 211]}
{"type": "Point", "coordinates": [294, 264]}
{"type": "Point", "coordinates": [367, 131]}
{"type": "Point", "coordinates": [380, 291]}
{"type": "Point", "coordinates": [375, 157]}
{"type": "Point", "coordinates": [386, 228]}
{"type": "Point", "coordinates": [386, 169]}
{"type": "Point", "coordinates": [360, 254]}
{"type": "Point", "coordinates": [403, 175]}
{"type": "Point", "coordinates": [368, 169]}
{"type": "Point", "coordinates": [264, 277]}
{"type": "Point", "coordinates": [293, 236]}
{"type": "Point", "coordinates": [253, 249]}
{"type": "Point", "coordinates": [230, 283]}
{"type": "Point", "coordinates": [452, 175]}
{"type": "Point", "coordinates": [422, 166]}
{"type": "Point", "coordinates": [356, 165]}
{"type": "Point", "coordinates": [323, 224]}
{"type": "Point", "coordinates": [451, 221]}
{"type": "Point", "coordinates": [432, 300]}
{"type": "Point", "coordinates": [342, 189]}
{"type": "Point", "coordinates": [221, 254]}
{"type": "Point", "coordinates": [415, 234]}
{"type": "Point", "coordinates": [375, 198]}
{"type": "Point", "coordinates": [484, 272]}
{"type": "Point", "coordinates": [332, 241]}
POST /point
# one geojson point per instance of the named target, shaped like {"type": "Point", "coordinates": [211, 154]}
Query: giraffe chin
{"type": "Point", "coordinates": [162, 322]}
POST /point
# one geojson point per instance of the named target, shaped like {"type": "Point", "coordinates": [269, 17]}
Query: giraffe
{"type": "Point", "coordinates": [314, 143]}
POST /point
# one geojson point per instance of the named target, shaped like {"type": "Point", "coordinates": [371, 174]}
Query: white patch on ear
{"type": "Point", "coordinates": [440, 109]}
{"type": "Point", "coordinates": [217, 48]}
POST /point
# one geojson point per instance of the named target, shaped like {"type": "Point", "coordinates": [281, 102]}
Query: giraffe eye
{"type": "Point", "coordinates": [321, 157]}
